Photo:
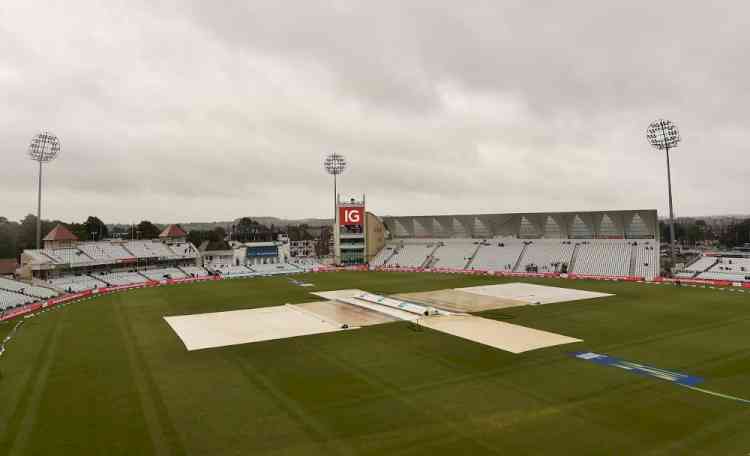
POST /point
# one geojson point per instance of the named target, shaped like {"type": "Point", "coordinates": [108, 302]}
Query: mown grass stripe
{"type": "Point", "coordinates": [33, 396]}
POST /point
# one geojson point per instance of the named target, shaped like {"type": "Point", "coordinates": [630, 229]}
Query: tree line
{"type": "Point", "coordinates": [693, 232]}
{"type": "Point", "coordinates": [15, 237]}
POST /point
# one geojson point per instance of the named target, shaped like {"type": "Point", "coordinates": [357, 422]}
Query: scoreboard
{"type": "Point", "coordinates": [349, 232]}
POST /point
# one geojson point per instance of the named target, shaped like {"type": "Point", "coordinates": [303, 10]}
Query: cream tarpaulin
{"type": "Point", "coordinates": [235, 327]}
{"type": "Point", "coordinates": [497, 334]}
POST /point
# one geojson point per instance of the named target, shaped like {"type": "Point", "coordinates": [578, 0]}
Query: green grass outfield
{"type": "Point", "coordinates": [109, 377]}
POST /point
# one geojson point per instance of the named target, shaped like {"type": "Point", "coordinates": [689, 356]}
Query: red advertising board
{"type": "Point", "coordinates": [351, 215]}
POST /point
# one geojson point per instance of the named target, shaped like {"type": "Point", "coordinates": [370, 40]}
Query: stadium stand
{"type": "Point", "coordinates": [149, 249]}
{"type": "Point", "coordinates": [454, 254]}
{"type": "Point", "coordinates": [383, 256]}
{"type": "Point", "coordinates": [547, 255]}
{"type": "Point", "coordinates": [412, 255]}
{"type": "Point", "coordinates": [711, 267]}
{"type": "Point", "coordinates": [183, 250]}
{"type": "Point", "coordinates": [733, 265]}
{"type": "Point", "coordinates": [69, 265]}
{"type": "Point", "coordinates": [163, 274]}
{"type": "Point", "coordinates": [229, 270]}
{"type": "Point", "coordinates": [194, 271]}
{"type": "Point", "coordinates": [104, 251]}
{"type": "Point", "coordinates": [9, 299]}
{"type": "Point", "coordinates": [703, 264]}
{"type": "Point", "coordinates": [306, 263]}
{"type": "Point", "coordinates": [724, 268]}
{"type": "Point", "coordinates": [603, 257]}
{"type": "Point", "coordinates": [646, 259]}
{"type": "Point", "coordinates": [26, 289]}
{"type": "Point", "coordinates": [734, 277]}
{"type": "Point", "coordinates": [37, 256]}
{"type": "Point", "coordinates": [121, 278]}
{"type": "Point", "coordinates": [597, 257]}
{"type": "Point", "coordinates": [75, 283]}
{"type": "Point", "coordinates": [498, 255]}
{"type": "Point", "coordinates": [71, 256]}
{"type": "Point", "coordinates": [600, 243]}
{"type": "Point", "coordinates": [275, 268]}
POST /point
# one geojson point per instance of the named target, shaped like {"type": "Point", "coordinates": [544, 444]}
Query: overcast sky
{"type": "Point", "coordinates": [200, 111]}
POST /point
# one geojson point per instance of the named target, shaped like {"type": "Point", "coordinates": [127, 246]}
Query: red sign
{"type": "Point", "coordinates": [350, 215]}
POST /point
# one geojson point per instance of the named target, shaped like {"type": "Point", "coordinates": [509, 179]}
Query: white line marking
{"type": "Point", "coordinates": [714, 393]}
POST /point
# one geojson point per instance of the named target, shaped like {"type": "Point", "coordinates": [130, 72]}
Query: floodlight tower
{"type": "Point", "coordinates": [334, 164]}
{"type": "Point", "coordinates": [43, 148]}
{"type": "Point", "coordinates": [664, 135]}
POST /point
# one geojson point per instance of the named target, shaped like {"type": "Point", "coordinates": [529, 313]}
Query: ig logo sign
{"type": "Point", "coordinates": [351, 215]}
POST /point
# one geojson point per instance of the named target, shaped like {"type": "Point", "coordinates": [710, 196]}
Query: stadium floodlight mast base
{"type": "Point", "coordinates": [43, 148]}
{"type": "Point", "coordinates": [664, 135]}
{"type": "Point", "coordinates": [334, 164]}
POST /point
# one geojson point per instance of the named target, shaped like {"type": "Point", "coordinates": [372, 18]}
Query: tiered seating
{"type": "Point", "coordinates": [411, 255]}
{"type": "Point", "coordinates": [547, 255]}
{"type": "Point", "coordinates": [735, 269]}
{"type": "Point", "coordinates": [75, 284]}
{"type": "Point", "coordinates": [646, 260]}
{"type": "Point", "coordinates": [67, 256]}
{"type": "Point", "coordinates": [104, 251]}
{"type": "Point", "coordinates": [149, 249]}
{"type": "Point", "coordinates": [733, 265]}
{"type": "Point", "coordinates": [602, 257]}
{"type": "Point", "coordinates": [194, 271]}
{"type": "Point", "coordinates": [184, 250]}
{"type": "Point", "coordinates": [9, 299]}
{"type": "Point", "coordinates": [164, 273]}
{"type": "Point", "coordinates": [606, 258]}
{"type": "Point", "coordinates": [382, 256]}
{"type": "Point", "coordinates": [305, 263]}
{"type": "Point", "coordinates": [25, 288]}
{"type": "Point", "coordinates": [276, 268]}
{"type": "Point", "coordinates": [122, 278]}
{"type": "Point", "coordinates": [734, 277]}
{"type": "Point", "coordinates": [702, 264]}
{"type": "Point", "coordinates": [497, 255]}
{"type": "Point", "coordinates": [232, 271]}
{"type": "Point", "coordinates": [685, 275]}
{"type": "Point", "coordinates": [454, 254]}
{"type": "Point", "coordinates": [38, 256]}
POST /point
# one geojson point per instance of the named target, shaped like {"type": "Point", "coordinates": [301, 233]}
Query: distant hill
{"type": "Point", "coordinates": [267, 221]}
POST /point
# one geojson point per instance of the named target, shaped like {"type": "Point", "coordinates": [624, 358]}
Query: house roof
{"type": "Point", "coordinates": [173, 231]}
{"type": "Point", "coordinates": [8, 266]}
{"type": "Point", "coordinates": [60, 233]}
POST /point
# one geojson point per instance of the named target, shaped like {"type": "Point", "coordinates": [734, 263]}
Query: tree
{"type": "Point", "coordinates": [246, 229]}
{"type": "Point", "coordinates": [95, 228]}
{"type": "Point", "coordinates": [736, 234]}
{"type": "Point", "coordinates": [27, 231]}
{"type": "Point", "coordinates": [197, 237]}
{"type": "Point", "coordinates": [8, 238]}
{"type": "Point", "coordinates": [121, 231]}
{"type": "Point", "coordinates": [147, 230]}
{"type": "Point", "coordinates": [323, 245]}
{"type": "Point", "coordinates": [218, 234]}
{"type": "Point", "coordinates": [79, 229]}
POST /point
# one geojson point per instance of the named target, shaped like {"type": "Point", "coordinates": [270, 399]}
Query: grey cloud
{"type": "Point", "coordinates": [189, 111]}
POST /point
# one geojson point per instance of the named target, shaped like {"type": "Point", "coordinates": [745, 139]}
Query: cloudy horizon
{"type": "Point", "coordinates": [188, 112]}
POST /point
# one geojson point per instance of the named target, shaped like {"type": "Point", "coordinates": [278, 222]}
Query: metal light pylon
{"type": "Point", "coordinates": [664, 135]}
{"type": "Point", "coordinates": [43, 148]}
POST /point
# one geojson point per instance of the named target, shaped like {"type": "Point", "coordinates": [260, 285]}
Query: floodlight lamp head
{"type": "Point", "coordinates": [335, 164]}
{"type": "Point", "coordinates": [44, 147]}
{"type": "Point", "coordinates": [663, 134]}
